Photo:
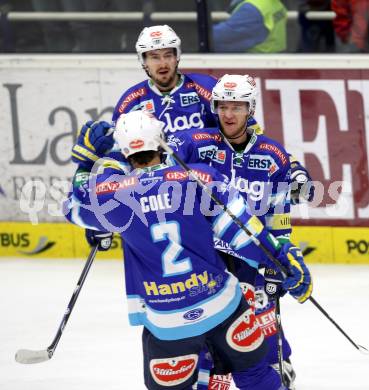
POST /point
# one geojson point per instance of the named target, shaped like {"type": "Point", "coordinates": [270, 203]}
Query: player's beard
{"type": "Point", "coordinates": [238, 133]}
{"type": "Point", "coordinates": [166, 85]}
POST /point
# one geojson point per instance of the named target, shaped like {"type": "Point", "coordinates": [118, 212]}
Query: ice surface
{"type": "Point", "coordinates": [99, 350]}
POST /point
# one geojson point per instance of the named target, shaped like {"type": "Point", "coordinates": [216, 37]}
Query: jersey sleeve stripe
{"type": "Point", "coordinates": [85, 153]}
{"type": "Point", "coordinates": [223, 220]}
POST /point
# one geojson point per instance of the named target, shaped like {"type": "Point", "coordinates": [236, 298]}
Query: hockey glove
{"type": "Point", "coordinates": [302, 186]}
{"type": "Point", "coordinates": [273, 280]}
{"type": "Point", "coordinates": [298, 281]}
{"type": "Point", "coordinates": [93, 141]}
{"type": "Point", "coordinates": [102, 239]}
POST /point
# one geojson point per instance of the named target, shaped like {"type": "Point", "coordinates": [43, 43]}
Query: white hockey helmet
{"type": "Point", "coordinates": [235, 88]}
{"type": "Point", "coordinates": [138, 131]}
{"type": "Point", "coordinates": [157, 37]}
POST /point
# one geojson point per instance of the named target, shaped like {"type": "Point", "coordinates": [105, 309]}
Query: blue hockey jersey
{"type": "Point", "coordinates": [186, 106]}
{"type": "Point", "coordinates": [261, 172]}
{"type": "Point", "coordinates": [176, 283]}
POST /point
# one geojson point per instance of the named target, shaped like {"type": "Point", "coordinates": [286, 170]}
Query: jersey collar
{"type": "Point", "coordinates": [153, 168]}
{"type": "Point", "coordinates": [249, 145]}
{"type": "Point", "coordinates": [155, 89]}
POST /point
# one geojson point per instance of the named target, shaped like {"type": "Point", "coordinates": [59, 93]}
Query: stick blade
{"type": "Point", "coordinates": [363, 350]}
{"type": "Point", "coordinates": [26, 356]}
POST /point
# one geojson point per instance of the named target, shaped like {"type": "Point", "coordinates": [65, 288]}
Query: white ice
{"type": "Point", "coordinates": [100, 351]}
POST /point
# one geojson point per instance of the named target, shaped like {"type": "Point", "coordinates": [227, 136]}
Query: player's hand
{"type": "Point", "coordinates": [273, 281]}
{"type": "Point", "coordinates": [302, 186]}
{"type": "Point", "coordinates": [298, 281]}
{"type": "Point", "coordinates": [93, 141]}
{"type": "Point", "coordinates": [102, 239]}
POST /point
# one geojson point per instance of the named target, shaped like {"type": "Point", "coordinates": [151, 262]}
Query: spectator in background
{"type": "Point", "coordinates": [351, 25]}
{"type": "Point", "coordinates": [19, 36]}
{"type": "Point", "coordinates": [57, 35]}
{"type": "Point", "coordinates": [75, 36]}
{"type": "Point", "coordinates": [255, 26]}
{"type": "Point", "coordinates": [317, 36]}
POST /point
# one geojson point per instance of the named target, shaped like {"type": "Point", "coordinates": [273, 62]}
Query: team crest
{"type": "Point", "coordinates": [238, 160]}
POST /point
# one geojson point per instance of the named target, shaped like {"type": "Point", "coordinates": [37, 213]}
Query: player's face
{"type": "Point", "coordinates": [162, 66]}
{"type": "Point", "coordinates": [233, 118]}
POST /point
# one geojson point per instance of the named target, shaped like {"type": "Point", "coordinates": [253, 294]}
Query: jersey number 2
{"type": "Point", "coordinates": [170, 231]}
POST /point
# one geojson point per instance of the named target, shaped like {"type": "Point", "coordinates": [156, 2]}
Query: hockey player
{"type": "Point", "coordinates": [180, 100]}
{"type": "Point", "coordinates": [260, 169]}
{"type": "Point", "coordinates": [176, 283]}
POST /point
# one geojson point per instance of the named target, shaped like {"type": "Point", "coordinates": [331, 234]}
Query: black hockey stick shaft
{"type": "Point", "coordinates": [278, 321]}
{"type": "Point", "coordinates": [235, 219]}
{"type": "Point", "coordinates": [51, 348]}
{"type": "Point", "coordinates": [240, 224]}
{"type": "Point", "coordinates": [357, 346]}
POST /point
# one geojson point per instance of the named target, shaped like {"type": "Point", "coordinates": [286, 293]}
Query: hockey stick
{"type": "Point", "coordinates": [27, 356]}
{"type": "Point", "coordinates": [239, 223]}
{"type": "Point", "coordinates": [278, 322]}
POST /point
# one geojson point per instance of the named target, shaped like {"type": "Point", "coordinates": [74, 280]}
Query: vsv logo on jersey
{"type": "Point", "coordinates": [187, 99]}
{"type": "Point", "coordinates": [183, 122]}
{"type": "Point", "coordinates": [174, 141]}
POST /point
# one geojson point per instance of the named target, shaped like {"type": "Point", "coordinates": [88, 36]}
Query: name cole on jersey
{"type": "Point", "coordinates": [171, 298]}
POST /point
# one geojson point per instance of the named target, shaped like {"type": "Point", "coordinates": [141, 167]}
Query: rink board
{"type": "Point", "coordinates": [316, 106]}
{"type": "Point", "coordinates": [320, 244]}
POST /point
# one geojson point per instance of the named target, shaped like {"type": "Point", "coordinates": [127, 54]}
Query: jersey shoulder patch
{"type": "Point", "coordinates": [129, 97]}
{"type": "Point", "coordinates": [201, 171]}
{"type": "Point", "coordinates": [110, 183]}
{"type": "Point", "coordinates": [208, 134]}
{"type": "Point", "coordinates": [272, 147]}
{"type": "Point", "coordinates": [202, 83]}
